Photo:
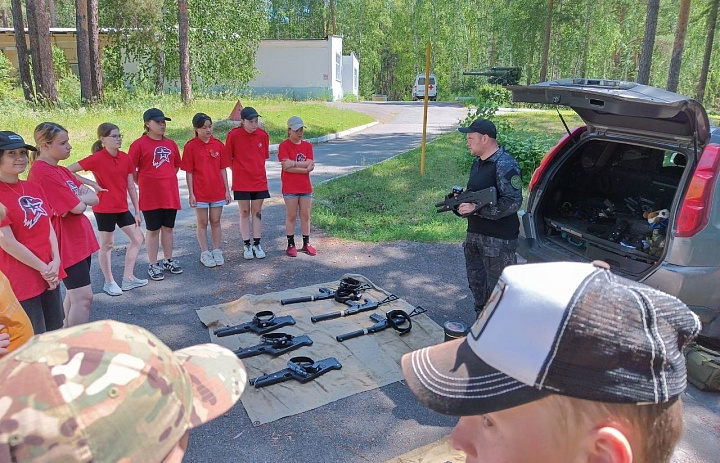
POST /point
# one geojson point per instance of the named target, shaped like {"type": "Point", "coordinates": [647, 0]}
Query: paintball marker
{"type": "Point", "coordinates": [458, 196]}
{"type": "Point", "coordinates": [399, 320]}
{"type": "Point", "coordinates": [354, 308]}
{"type": "Point", "coordinates": [275, 344]}
{"type": "Point", "coordinates": [350, 289]}
{"type": "Point", "coordinates": [302, 369]}
{"type": "Point", "coordinates": [263, 322]}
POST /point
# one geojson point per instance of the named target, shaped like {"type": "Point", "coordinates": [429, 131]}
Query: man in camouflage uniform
{"type": "Point", "coordinates": [106, 392]}
{"type": "Point", "coordinates": [492, 231]}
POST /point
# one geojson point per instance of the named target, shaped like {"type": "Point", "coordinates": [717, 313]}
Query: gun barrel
{"type": "Point", "coordinates": [325, 316]}
{"type": "Point", "coordinates": [231, 330]}
{"type": "Point", "coordinates": [296, 300]}
{"type": "Point", "coordinates": [268, 380]}
{"type": "Point", "coordinates": [352, 334]}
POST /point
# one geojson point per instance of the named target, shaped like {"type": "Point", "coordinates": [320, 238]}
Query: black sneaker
{"type": "Point", "coordinates": [155, 272]}
{"type": "Point", "coordinates": [172, 265]}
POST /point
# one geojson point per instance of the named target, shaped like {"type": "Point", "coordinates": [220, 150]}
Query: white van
{"type": "Point", "coordinates": [418, 90]}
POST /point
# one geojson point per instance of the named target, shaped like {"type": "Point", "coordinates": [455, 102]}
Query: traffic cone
{"type": "Point", "coordinates": [235, 113]}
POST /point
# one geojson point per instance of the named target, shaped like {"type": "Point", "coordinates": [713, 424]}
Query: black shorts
{"type": "Point", "coordinates": [157, 218]}
{"type": "Point", "coordinates": [78, 275]}
{"type": "Point", "coordinates": [250, 195]}
{"type": "Point", "coordinates": [45, 311]}
{"type": "Point", "coordinates": [106, 221]}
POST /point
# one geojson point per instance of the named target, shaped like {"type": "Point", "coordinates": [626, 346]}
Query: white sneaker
{"type": "Point", "coordinates": [258, 251]}
{"type": "Point", "coordinates": [207, 259]}
{"type": "Point", "coordinates": [248, 253]}
{"type": "Point", "coordinates": [217, 255]}
{"type": "Point", "coordinates": [112, 289]}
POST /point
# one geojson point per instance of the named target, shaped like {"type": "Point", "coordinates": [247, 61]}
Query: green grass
{"type": "Point", "coordinates": [392, 201]}
{"type": "Point", "coordinates": [320, 118]}
{"type": "Point", "coordinates": [545, 122]}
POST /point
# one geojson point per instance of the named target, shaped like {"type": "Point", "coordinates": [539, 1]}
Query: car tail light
{"type": "Point", "coordinates": [695, 208]}
{"type": "Point", "coordinates": [537, 175]}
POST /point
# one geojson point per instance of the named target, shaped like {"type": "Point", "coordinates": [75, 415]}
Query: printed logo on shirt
{"type": "Point", "coordinates": [162, 154]}
{"type": "Point", "coordinates": [213, 153]}
{"type": "Point", "coordinates": [33, 208]}
{"type": "Point", "coordinates": [259, 145]}
{"type": "Point", "coordinates": [73, 187]}
{"type": "Point", "coordinates": [300, 157]}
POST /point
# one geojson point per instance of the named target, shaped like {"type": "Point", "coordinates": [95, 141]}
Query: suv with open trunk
{"type": "Point", "coordinates": [637, 187]}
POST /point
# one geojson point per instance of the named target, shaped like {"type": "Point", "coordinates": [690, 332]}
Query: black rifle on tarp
{"type": "Point", "coordinates": [349, 289]}
{"type": "Point", "coordinates": [458, 196]}
{"type": "Point", "coordinates": [354, 308]}
{"type": "Point", "coordinates": [399, 320]}
{"type": "Point", "coordinates": [302, 369]}
{"type": "Point", "coordinates": [275, 344]}
{"type": "Point", "coordinates": [263, 322]}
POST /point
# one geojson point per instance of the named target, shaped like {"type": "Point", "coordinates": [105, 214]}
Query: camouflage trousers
{"type": "Point", "coordinates": [485, 259]}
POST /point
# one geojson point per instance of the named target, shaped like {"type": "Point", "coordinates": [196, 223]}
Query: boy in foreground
{"type": "Point", "coordinates": [110, 392]}
{"type": "Point", "coordinates": [567, 363]}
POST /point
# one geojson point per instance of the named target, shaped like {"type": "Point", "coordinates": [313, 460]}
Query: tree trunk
{"type": "Point", "coordinates": [83, 51]}
{"type": "Point", "coordinates": [648, 45]}
{"type": "Point", "coordinates": [22, 51]}
{"type": "Point", "coordinates": [4, 18]}
{"type": "Point", "coordinates": [184, 41]}
{"type": "Point", "coordinates": [53, 16]}
{"type": "Point", "coordinates": [546, 42]}
{"type": "Point", "coordinates": [41, 52]}
{"type": "Point", "coordinates": [94, 46]}
{"type": "Point", "coordinates": [678, 46]}
{"type": "Point", "coordinates": [711, 22]}
{"type": "Point", "coordinates": [586, 45]}
{"type": "Point", "coordinates": [332, 16]}
{"type": "Point", "coordinates": [160, 71]}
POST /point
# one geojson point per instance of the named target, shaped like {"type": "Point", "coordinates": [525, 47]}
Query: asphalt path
{"type": "Point", "coordinates": [373, 426]}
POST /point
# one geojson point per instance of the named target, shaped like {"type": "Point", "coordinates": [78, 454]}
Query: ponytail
{"type": "Point", "coordinates": [97, 146]}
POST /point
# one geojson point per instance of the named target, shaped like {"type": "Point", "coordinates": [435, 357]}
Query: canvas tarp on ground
{"type": "Point", "coordinates": [368, 362]}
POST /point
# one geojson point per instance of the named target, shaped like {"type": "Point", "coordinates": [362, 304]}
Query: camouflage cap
{"type": "Point", "coordinates": [108, 391]}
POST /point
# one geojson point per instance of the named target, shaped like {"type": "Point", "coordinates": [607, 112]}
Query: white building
{"type": "Point", "coordinates": [305, 69]}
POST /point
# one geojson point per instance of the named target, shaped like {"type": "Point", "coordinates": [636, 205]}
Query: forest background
{"type": "Point", "coordinates": [210, 46]}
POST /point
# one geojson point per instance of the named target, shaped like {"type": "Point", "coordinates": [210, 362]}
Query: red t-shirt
{"type": "Point", "coordinates": [74, 231]}
{"type": "Point", "coordinates": [157, 162]}
{"type": "Point", "coordinates": [248, 152]}
{"type": "Point", "coordinates": [111, 172]}
{"type": "Point", "coordinates": [293, 183]}
{"type": "Point", "coordinates": [28, 216]}
{"type": "Point", "coordinates": [206, 162]}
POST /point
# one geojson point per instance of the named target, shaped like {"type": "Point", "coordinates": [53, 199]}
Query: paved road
{"type": "Point", "coordinates": [370, 427]}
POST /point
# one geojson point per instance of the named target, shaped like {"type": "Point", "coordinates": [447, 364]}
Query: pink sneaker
{"type": "Point", "coordinates": [308, 249]}
{"type": "Point", "coordinates": [291, 251]}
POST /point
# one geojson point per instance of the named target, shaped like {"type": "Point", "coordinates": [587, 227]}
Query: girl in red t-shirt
{"type": "Point", "coordinates": [69, 199]}
{"type": "Point", "coordinates": [114, 172]}
{"type": "Point", "coordinates": [29, 252]}
{"type": "Point", "coordinates": [205, 162]}
{"type": "Point", "coordinates": [296, 157]}
{"type": "Point", "coordinates": [248, 146]}
{"type": "Point", "coordinates": [157, 160]}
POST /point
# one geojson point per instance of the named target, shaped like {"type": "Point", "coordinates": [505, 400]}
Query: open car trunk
{"type": "Point", "coordinates": [597, 203]}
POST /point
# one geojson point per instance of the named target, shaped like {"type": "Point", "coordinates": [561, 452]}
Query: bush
{"type": "Point", "coordinates": [5, 80]}
{"type": "Point", "coordinates": [60, 64]}
{"type": "Point", "coordinates": [495, 93]}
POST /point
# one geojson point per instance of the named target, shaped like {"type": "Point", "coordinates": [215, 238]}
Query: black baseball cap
{"type": "Point", "coordinates": [12, 141]}
{"type": "Point", "coordinates": [248, 112]}
{"type": "Point", "coordinates": [566, 328]}
{"type": "Point", "coordinates": [481, 126]}
{"type": "Point", "coordinates": [154, 114]}
{"type": "Point", "coordinates": [199, 120]}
